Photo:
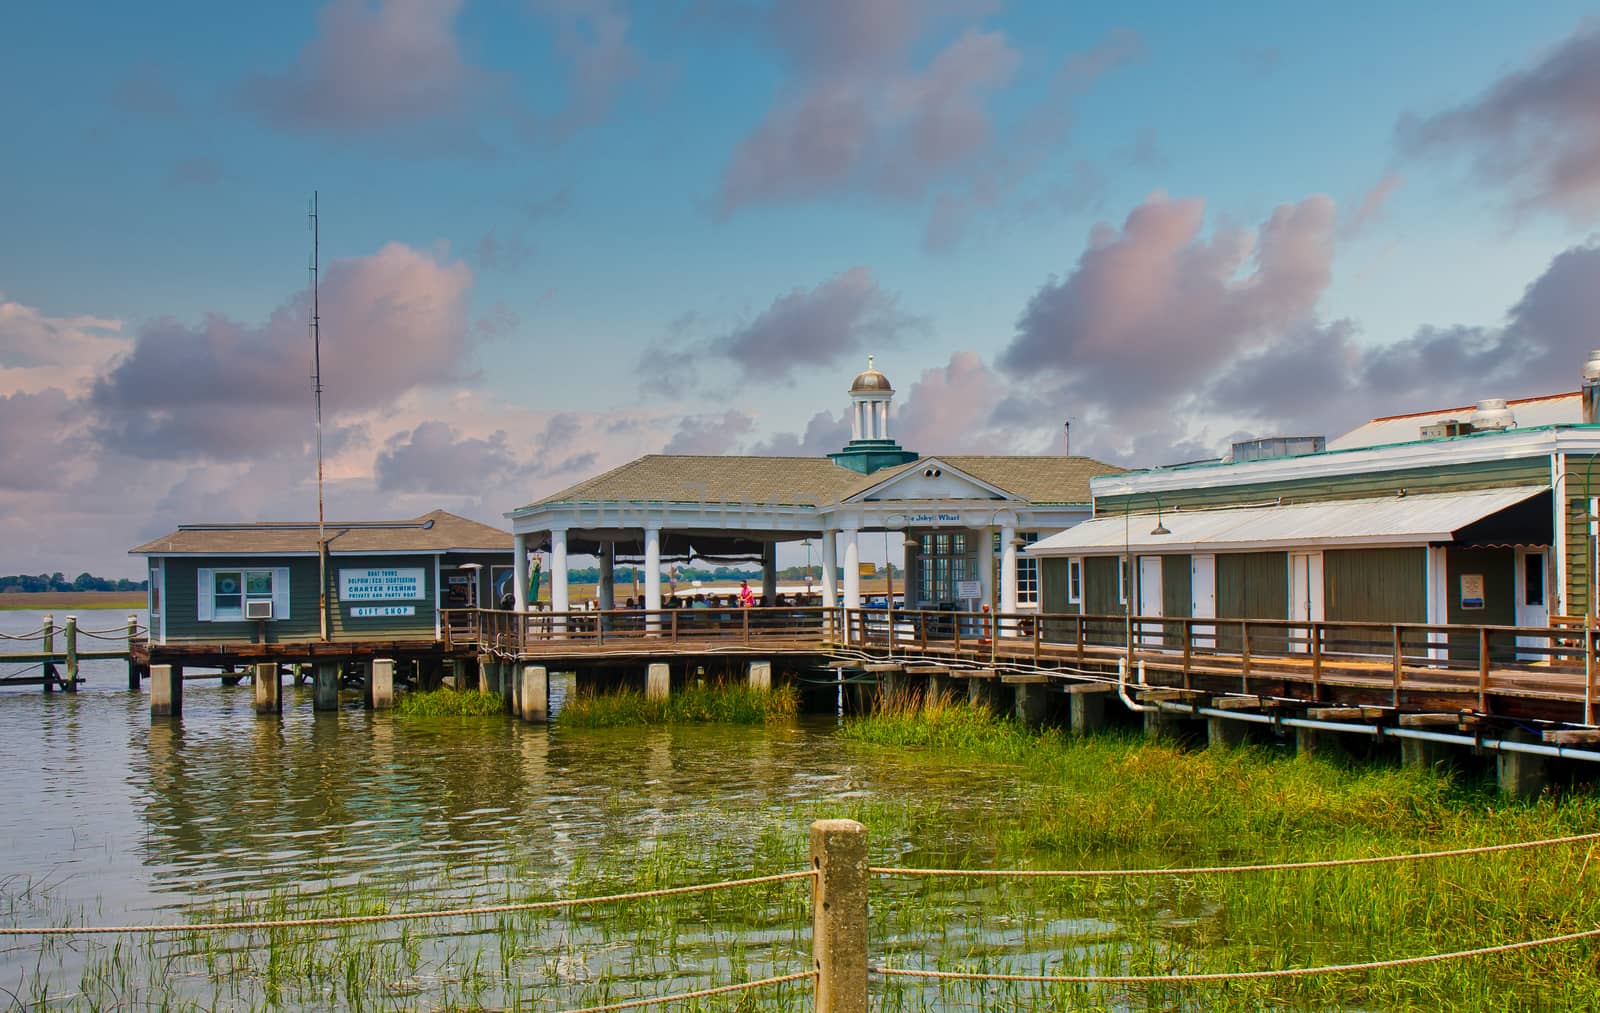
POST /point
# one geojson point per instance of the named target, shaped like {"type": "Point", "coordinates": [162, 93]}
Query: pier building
{"type": "Point", "coordinates": [257, 583]}
{"type": "Point", "coordinates": [955, 522]}
{"type": "Point", "coordinates": [1476, 515]}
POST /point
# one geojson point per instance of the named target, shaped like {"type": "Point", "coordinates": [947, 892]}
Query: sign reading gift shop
{"type": "Point", "coordinates": [404, 584]}
{"type": "Point", "coordinates": [373, 611]}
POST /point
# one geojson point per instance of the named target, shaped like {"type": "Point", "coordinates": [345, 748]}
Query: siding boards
{"type": "Point", "coordinates": [1579, 467]}
{"type": "Point", "coordinates": [1053, 590]}
{"type": "Point", "coordinates": [1498, 569]}
{"type": "Point", "coordinates": [1177, 596]}
{"type": "Point", "coordinates": [1100, 599]}
{"type": "Point", "coordinates": [344, 626]}
{"type": "Point", "coordinates": [182, 600]}
{"type": "Point", "coordinates": [1252, 585]}
{"type": "Point", "coordinates": [1373, 586]}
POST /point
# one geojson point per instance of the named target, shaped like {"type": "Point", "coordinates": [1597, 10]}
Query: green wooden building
{"type": "Point", "coordinates": [258, 583]}
{"type": "Point", "coordinates": [1475, 515]}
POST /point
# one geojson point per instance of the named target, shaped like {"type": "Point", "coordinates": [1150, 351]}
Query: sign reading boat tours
{"type": "Point", "coordinates": [404, 584]}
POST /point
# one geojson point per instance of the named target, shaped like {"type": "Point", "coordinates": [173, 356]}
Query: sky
{"type": "Point", "coordinates": [559, 234]}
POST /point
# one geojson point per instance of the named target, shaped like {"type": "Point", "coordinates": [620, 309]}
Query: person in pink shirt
{"type": "Point", "coordinates": [746, 598]}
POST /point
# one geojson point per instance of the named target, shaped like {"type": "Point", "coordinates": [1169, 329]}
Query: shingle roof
{"type": "Point", "coordinates": [438, 531]}
{"type": "Point", "coordinates": [815, 481]}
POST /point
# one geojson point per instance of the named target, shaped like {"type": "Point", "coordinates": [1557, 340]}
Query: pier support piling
{"type": "Point", "coordinates": [533, 697]}
{"type": "Point", "coordinates": [985, 694]}
{"type": "Point", "coordinates": [760, 675]}
{"type": "Point", "coordinates": [325, 687]}
{"type": "Point", "coordinates": [486, 673]}
{"type": "Point", "coordinates": [166, 691]}
{"type": "Point", "coordinates": [1520, 775]}
{"type": "Point", "coordinates": [71, 684]}
{"type": "Point", "coordinates": [658, 681]}
{"type": "Point", "coordinates": [1032, 703]}
{"type": "Point", "coordinates": [380, 684]}
{"type": "Point", "coordinates": [1086, 704]}
{"type": "Point", "coordinates": [268, 682]}
{"type": "Point", "coordinates": [1420, 754]}
{"type": "Point", "coordinates": [133, 669]}
{"type": "Point", "coordinates": [839, 915]}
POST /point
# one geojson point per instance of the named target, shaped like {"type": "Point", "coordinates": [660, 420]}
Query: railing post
{"type": "Point", "coordinates": [1483, 669]}
{"type": "Point", "coordinates": [1316, 662]}
{"type": "Point", "coordinates": [1244, 656]}
{"type": "Point", "coordinates": [72, 654]}
{"type": "Point", "coordinates": [746, 614]}
{"type": "Point", "coordinates": [48, 645]}
{"type": "Point", "coordinates": [839, 915]}
{"type": "Point", "coordinates": [1078, 636]}
{"type": "Point", "coordinates": [1399, 665]}
{"type": "Point", "coordinates": [1038, 622]}
{"type": "Point", "coordinates": [133, 670]}
{"type": "Point", "coordinates": [1188, 650]}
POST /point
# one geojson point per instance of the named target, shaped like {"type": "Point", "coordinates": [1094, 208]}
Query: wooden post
{"type": "Point", "coordinates": [1244, 655]}
{"type": "Point", "coordinates": [533, 700]}
{"type": "Point", "coordinates": [839, 915]}
{"type": "Point", "coordinates": [133, 670]}
{"type": "Point", "coordinates": [166, 691]}
{"type": "Point", "coordinates": [1038, 621]}
{"type": "Point", "coordinates": [72, 654]}
{"type": "Point", "coordinates": [1078, 616]}
{"type": "Point", "coordinates": [269, 688]}
{"type": "Point", "coordinates": [657, 681]}
{"type": "Point", "coordinates": [1483, 669]}
{"type": "Point", "coordinates": [48, 643]}
{"type": "Point", "coordinates": [1399, 665]}
{"type": "Point", "coordinates": [1188, 650]}
{"type": "Point", "coordinates": [745, 613]}
{"type": "Point", "coordinates": [1316, 662]}
{"type": "Point", "coordinates": [380, 683]}
{"type": "Point", "coordinates": [325, 687]}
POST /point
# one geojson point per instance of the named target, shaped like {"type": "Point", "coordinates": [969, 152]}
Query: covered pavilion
{"type": "Point", "coordinates": [950, 515]}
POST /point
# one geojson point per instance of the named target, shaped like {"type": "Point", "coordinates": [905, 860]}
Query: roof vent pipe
{"type": "Point", "coordinates": [1492, 414]}
{"type": "Point", "coordinates": [1591, 389]}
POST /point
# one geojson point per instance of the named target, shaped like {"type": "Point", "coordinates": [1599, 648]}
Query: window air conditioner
{"type": "Point", "coordinates": [260, 609]}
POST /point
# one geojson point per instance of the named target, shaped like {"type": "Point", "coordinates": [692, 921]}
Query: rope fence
{"type": "Point", "coordinates": [1226, 976]}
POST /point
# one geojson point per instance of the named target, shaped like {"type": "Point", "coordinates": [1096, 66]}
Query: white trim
{"type": "Point", "coordinates": [438, 598]}
{"type": "Point", "coordinates": [916, 467]}
{"type": "Point", "coordinates": [1556, 593]}
{"type": "Point", "coordinates": [1074, 597]}
{"type": "Point", "coordinates": [226, 555]}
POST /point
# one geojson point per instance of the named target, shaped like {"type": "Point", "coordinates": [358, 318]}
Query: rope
{"type": "Point", "coordinates": [1288, 972]}
{"type": "Point", "coordinates": [114, 633]}
{"type": "Point", "coordinates": [1330, 863]}
{"type": "Point", "coordinates": [719, 990]}
{"type": "Point", "coordinates": [35, 635]}
{"type": "Point", "coordinates": [402, 916]}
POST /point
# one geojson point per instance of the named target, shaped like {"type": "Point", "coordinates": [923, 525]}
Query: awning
{"type": "Point", "coordinates": [1389, 521]}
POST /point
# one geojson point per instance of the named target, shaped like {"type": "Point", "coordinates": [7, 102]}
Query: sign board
{"type": "Point", "coordinates": [373, 611]}
{"type": "Point", "coordinates": [1472, 590]}
{"type": "Point", "coordinates": [867, 569]}
{"type": "Point", "coordinates": [460, 580]}
{"type": "Point", "coordinates": [403, 584]}
{"type": "Point", "coordinates": [969, 589]}
{"type": "Point", "coordinates": [938, 518]}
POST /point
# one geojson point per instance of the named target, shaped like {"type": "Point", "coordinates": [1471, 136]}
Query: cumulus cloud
{"type": "Point", "coordinates": [371, 67]}
{"type": "Point", "coordinates": [1154, 306]}
{"type": "Point", "coordinates": [710, 434]}
{"type": "Point", "coordinates": [433, 457]}
{"type": "Point", "coordinates": [1372, 205]}
{"type": "Point", "coordinates": [825, 433]}
{"type": "Point", "coordinates": [816, 327]}
{"type": "Point", "coordinates": [591, 36]}
{"type": "Point", "coordinates": [38, 351]}
{"type": "Point", "coordinates": [392, 322]}
{"type": "Point", "coordinates": [1535, 130]}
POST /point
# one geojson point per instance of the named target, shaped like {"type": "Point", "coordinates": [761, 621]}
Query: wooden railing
{"type": "Point", "coordinates": [518, 632]}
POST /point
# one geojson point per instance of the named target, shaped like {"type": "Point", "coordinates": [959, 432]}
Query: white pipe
{"type": "Point", "coordinates": [1122, 687]}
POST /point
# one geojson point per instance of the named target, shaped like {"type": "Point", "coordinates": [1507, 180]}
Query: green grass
{"type": "Point", "coordinates": [449, 703]}
{"type": "Point", "coordinates": [729, 703]}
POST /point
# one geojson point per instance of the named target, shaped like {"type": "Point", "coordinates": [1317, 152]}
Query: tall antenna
{"type": "Point", "coordinates": [316, 387]}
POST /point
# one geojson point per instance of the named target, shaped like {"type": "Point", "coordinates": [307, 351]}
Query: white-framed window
{"type": "Point", "coordinates": [224, 593]}
{"type": "Point", "coordinates": [1075, 580]}
{"type": "Point", "coordinates": [945, 564]}
{"type": "Point", "coordinates": [1122, 580]}
{"type": "Point", "coordinates": [1027, 572]}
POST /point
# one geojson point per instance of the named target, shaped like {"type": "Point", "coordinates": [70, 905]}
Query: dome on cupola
{"type": "Point", "coordinates": [870, 380]}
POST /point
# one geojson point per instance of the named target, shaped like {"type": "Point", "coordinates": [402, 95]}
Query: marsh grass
{"type": "Point", "coordinates": [715, 703]}
{"type": "Point", "coordinates": [449, 703]}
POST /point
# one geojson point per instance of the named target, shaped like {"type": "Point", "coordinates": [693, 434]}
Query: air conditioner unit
{"type": "Point", "coordinates": [259, 609]}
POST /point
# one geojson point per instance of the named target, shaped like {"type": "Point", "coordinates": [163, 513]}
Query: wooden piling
{"type": "Point", "coordinates": [658, 681]}
{"type": "Point", "coordinates": [48, 642]}
{"type": "Point", "coordinates": [133, 669]}
{"type": "Point", "coordinates": [533, 697]}
{"type": "Point", "coordinates": [72, 654]}
{"type": "Point", "coordinates": [166, 691]}
{"type": "Point", "coordinates": [380, 684]}
{"type": "Point", "coordinates": [839, 915]}
{"type": "Point", "coordinates": [269, 688]}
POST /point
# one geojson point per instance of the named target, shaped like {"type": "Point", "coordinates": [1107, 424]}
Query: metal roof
{"type": "Point", "coordinates": [1391, 520]}
{"type": "Point", "coordinates": [1530, 412]}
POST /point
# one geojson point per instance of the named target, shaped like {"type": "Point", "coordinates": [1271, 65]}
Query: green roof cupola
{"type": "Point", "coordinates": [870, 447]}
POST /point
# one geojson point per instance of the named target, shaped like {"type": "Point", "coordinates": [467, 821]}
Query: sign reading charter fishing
{"type": "Point", "coordinates": [381, 585]}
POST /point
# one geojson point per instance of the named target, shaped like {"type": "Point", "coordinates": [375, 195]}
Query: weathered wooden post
{"type": "Point", "coordinates": [760, 675]}
{"type": "Point", "coordinates": [269, 688]}
{"type": "Point", "coordinates": [839, 915]}
{"type": "Point", "coordinates": [380, 684]}
{"type": "Point", "coordinates": [49, 645]}
{"type": "Point", "coordinates": [166, 691]}
{"type": "Point", "coordinates": [325, 687]}
{"type": "Point", "coordinates": [533, 703]}
{"type": "Point", "coordinates": [72, 654]}
{"type": "Point", "coordinates": [133, 670]}
{"type": "Point", "coordinates": [658, 681]}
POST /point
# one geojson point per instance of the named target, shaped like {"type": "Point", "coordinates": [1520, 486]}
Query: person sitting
{"type": "Point", "coordinates": [747, 598]}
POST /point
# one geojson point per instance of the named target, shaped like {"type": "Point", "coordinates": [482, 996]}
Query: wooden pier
{"type": "Point", "coordinates": [59, 666]}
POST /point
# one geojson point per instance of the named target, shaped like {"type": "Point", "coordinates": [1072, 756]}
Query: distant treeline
{"type": "Point", "coordinates": [29, 583]}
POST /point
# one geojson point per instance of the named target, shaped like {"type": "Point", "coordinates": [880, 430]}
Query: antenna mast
{"type": "Point", "coordinates": [316, 387]}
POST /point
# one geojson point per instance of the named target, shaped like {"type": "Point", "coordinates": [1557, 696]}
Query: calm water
{"type": "Point", "coordinates": [111, 819]}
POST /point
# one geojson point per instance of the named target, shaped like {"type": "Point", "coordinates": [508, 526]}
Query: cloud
{"type": "Point", "coordinates": [1151, 309]}
{"type": "Point", "coordinates": [40, 352]}
{"type": "Point", "coordinates": [43, 434]}
{"type": "Point", "coordinates": [591, 36]}
{"type": "Point", "coordinates": [1372, 205]}
{"type": "Point", "coordinates": [433, 457]}
{"type": "Point", "coordinates": [825, 433]}
{"type": "Point", "coordinates": [392, 322]}
{"type": "Point", "coordinates": [509, 254]}
{"type": "Point", "coordinates": [949, 409]}
{"type": "Point", "coordinates": [858, 111]}
{"type": "Point", "coordinates": [815, 327]}
{"type": "Point", "coordinates": [371, 67]}
{"type": "Point", "coordinates": [1535, 130]}
{"type": "Point", "coordinates": [710, 434]}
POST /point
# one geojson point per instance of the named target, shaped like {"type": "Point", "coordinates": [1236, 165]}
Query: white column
{"type": "Point", "coordinates": [1008, 577]}
{"type": "Point", "coordinates": [852, 568]}
{"type": "Point", "coordinates": [558, 570]}
{"type": "Point", "coordinates": [606, 590]}
{"type": "Point", "coordinates": [855, 420]}
{"type": "Point", "coordinates": [883, 420]}
{"type": "Point", "coordinates": [769, 571]}
{"type": "Point", "coordinates": [986, 568]}
{"type": "Point", "coordinates": [519, 578]}
{"type": "Point", "coordinates": [652, 576]}
{"type": "Point", "coordinates": [830, 569]}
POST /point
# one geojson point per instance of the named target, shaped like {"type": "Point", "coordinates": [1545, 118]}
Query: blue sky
{"type": "Point", "coordinates": [561, 233]}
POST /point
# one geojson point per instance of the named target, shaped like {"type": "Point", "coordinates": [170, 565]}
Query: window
{"type": "Point", "coordinates": [1028, 573]}
{"type": "Point", "coordinates": [224, 595]}
{"type": "Point", "coordinates": [1122, 581]}
{"type": "Point", "coordinates": [1075, 581]}
{"type": "Point", "coordinates": [1533, 578]}
{"type": "Point", "coordinates": [944, 564]}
